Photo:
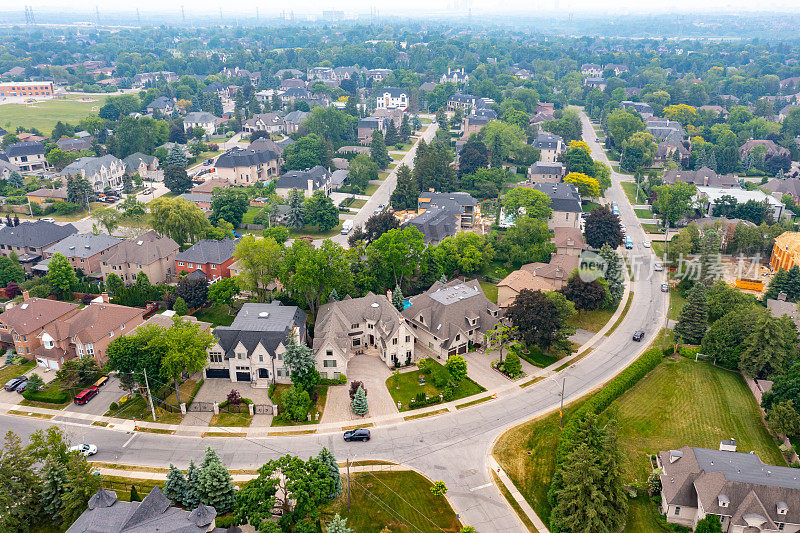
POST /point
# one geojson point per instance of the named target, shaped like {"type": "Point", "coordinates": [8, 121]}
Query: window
{"type": "Point", "coordinates": [280, 357]}
{"type": "Point", "coordinates": [279, 372]}
{"type": "Point", "coordinates": [25, 338]}
{"type": "Point", "coordinates": [408, 338]}
{"type": "Point", "coordinates": [80, 350]}
{"type": "Point", "coordinates": [122, 327]}
{"type": "Point", "coordinates": [677, 510]}
{"type": "Point", "coordinates": [458, 337]}
{"type": "Point", "coordinates": [215, 357]}
{"type": "Point", "coordinates": [329, 363]}
{"type": "Point", "coordinates": [213, 267]}
{"type": "Point", "coordinates": [90, 349]}
{"type": "Point", "coordinates": [329, 353]}
{"type": "Point", "coordinates": [180, 263]}
{"type": "Point", "coordinates": [240, 355]}
{"type": "Point", "coordinates": [354, 326]}
{"type": "Point", "coordinates": [780, 526]}
{"type": "Point", "coordinates": [260, 358]}
{"type": "Point", "coordinates": [394, 341]}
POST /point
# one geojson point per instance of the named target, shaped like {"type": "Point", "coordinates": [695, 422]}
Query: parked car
{"type": "Point", "coordinates": [638, 336]}
{"type": "Point", "coordinates": [102, 381]}
{"type": "Point", "coordinates": [48, 219]}
{"type": "Point", "coordinates": [208, 162]}
{"type": "Point", "coordinates": [658, 267]}
{"type": "Point", "coordinates": [85, 395]}
{"type": "Point", "coordinates": [646, 244]}
{"type": "Point", "coordinates": [628, 242]}
{"type": "Point", "coordinates": [12, 384]}
{"type": "Point", "coordinates": [664, 287]}
{"type": "Point", "coordinates": [21, 387]}
{"type": "Point", "coordinates": [356, 434]}
{"type": "Point", "coordinates": [84, 449]}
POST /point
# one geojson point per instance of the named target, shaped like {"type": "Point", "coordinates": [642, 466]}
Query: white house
{"type": "Point", "coordinates": [101, 172]}
{"type": "Point", "coordinates": [200, 119]}
{"type": "Point", "coordinates": [391, 98]}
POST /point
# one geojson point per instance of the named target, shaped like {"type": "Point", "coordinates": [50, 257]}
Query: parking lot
{"type": "Point", "coordinates": [110, 392]}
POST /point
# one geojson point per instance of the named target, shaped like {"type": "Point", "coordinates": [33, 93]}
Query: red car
{"type": "Point", "coordinates": [85, 395]}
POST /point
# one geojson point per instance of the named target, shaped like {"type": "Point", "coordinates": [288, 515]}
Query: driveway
{"type": "Point", "coordinates": [216, 390]}
{"type": "Point", "coordinates": [369, 369]}
{"type": "Point", "coordinates": [110, 392]}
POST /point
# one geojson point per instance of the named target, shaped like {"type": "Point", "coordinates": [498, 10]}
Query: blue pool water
{"type": "Point", "coordinates": [406, 303]}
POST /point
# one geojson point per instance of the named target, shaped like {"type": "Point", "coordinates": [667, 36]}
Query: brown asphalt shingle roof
{"type": "Point", "coordinates": [144, 250]}
{"type": "Point", "coordinates": [35, 313]}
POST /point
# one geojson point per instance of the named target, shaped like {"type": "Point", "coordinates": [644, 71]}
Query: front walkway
{"type": "Point", "coordinates": [216, 390]}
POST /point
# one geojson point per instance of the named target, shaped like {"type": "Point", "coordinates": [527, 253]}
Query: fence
{"type": "Point", "coordinates": [198, 407]}
{"type": "Point", "coordinates": [262, 409]}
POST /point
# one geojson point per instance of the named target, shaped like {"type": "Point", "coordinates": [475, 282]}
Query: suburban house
{"type": "Point", "coordinates": [568, 241]}
{"type": "Point", "coordinates": [84, 250]}
{"type": "Point", "coordinates": [368, 125]}
{"type": "Point", "coordinates": [269, 122]}
{"type": "Point", "coordinates": [592, 69]}
{"type": "Point", "coordinates": [667, 149]}
{"type": "Point", "coordinates": [294, 120]}
{"type": "Point", "coordinates": [377, 74]}
{"type": "Point", "coordinates": [207, 187]}
{"type": "Point", "coordinates": [6, 167]}
{"type": "Point", "coordinates": [391, 98]}
{"type": "Point", "coordinates": [464, 102]}
{"type": "Point", "coordinates": [550, 276]}
{"type": "Point", "coordinates": [546, 172]}
{"type": "Point", "coordinates": [550, 146]}
{"type": "Point", "coordinates": [42, 196]}
{"type": "Point", "coordinates": [785, 251]}
{"type": "Point", "coordinates": [665, 130]}
{"type": "Point", "coordinates": [101, 172]}
{"type": "Point", "coordinates": [144, 164]}
{"type": "Point", "coordinates": [75, 145]}
{"type": "Point", "coordinates": [778, 187]}
{"type": "Point", "coordinates": [595, 83]}
{"type": "Point", "coordinates": [781, 307]}
{"type": "Point", "coordinates": [22, 325]}
{"type": "Point", "coordinates": [162, 104]}
{"type": "Point", "coordinates": [448, 317]}
{"type": "Point", "coordinates": [200, 119]}
{"type": "Point", "coordinates": [306, 181]}
{"type": "Point", "coordinates": [370, 324]}
{"type": "Point", "coordinates": [747, 495]}
{"type": "Point", "coordinates": [154, 513]}
{"type": "Point", "coordinates": [771, 149]}
{"type": "Point", "coordinates": [29, 240]}
{"type": "Point", "coordinates": [213, 258]}
{"type": "Point", "coordinates": [704, 177]}
{"type": "Point", "coordinates": [148, 253]}
{"type": "Point", "coordinates": [441, 215]}
{"type": "Point", "coordinates": [455, 76]}
{"type": "Point", "coordinates": [27, 155]}
{"type": "Point", "coordinates": [643, 108]}
{"type": "Point", "coordinates": [473, 124]}
{"type": "Point", "coordinates": [246, 166]}
{"type": "Point", "coordinates": [86, 333]}
{"type": "Point", "coordinates": [706, 196]}
{"type": "Point", "coordinates": [251, 348]}
{"type": "Point", "coordinates": [202, 201]}
{"type": "Point", "coordinates": [147, 78]}
{"type": "Point", "coordinates": [565, 204]}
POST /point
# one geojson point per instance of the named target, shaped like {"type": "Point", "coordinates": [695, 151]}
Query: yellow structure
{"type": "Point", "coordinates": [786, 251]}
{"type": "Point", "coordinates": [750, 284]}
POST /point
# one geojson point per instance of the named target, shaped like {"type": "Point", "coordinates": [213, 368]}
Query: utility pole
{"type": "Point", "coordinates": [561, 411]}
{"type": "Point", "coordinates": [149, 396]}
{"type": "Point", "coordinates": [348, 485]}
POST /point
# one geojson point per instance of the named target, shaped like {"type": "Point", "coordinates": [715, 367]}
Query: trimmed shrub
{"type": "Point", "coordinates": [52, 395]}
{"type": "Point", "coordinates": [224, 521]}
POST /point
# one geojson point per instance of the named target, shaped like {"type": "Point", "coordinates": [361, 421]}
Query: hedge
{"type": "Point", "coordinates": [341, 381]}
{"type": "Point", "coordinates": [53, 395]}
{"type": "Point", "coordinates": [245, 401]}
{"type": "Point", "coordinates": [418, 404]}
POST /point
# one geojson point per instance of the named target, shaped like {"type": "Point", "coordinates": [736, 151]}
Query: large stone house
{"type": "Point", "coordinates": [442, 215]}
{"type": "Point", "coordinates": [252, 347]}
{"type": "Point", "coordinates": [565, 204]}
{"type": "Point", "coordinates": [550, 146]}
{"type": "Point", "coordinates": [84, 250]}
{"type": "Point", "coordinates": [391, 98]}
{"type": "Point", "coordinates": [448, 317]}
{"type": "Point", "coordinates": [247, 166]}
{"type": "Point", "coordinates": [306, 181]}
{"type": "Point", "coordinates": [148, 253]}
{"type": "Point", "coordinates": [29, 240]}
{"type": "Point", "coordinates": [747, 495]}
{"type": "Point", "coordinates": [361, 324]}
{"type": "Point", "coordinates": [550, 276]}
{"type": "Point", "coordinates": [27, 155]}
{"type": "Point", "coordinates": [22, 325]}
{"type": "Point", "coordinates": [101, 172]}
{"type": "Point", "coordinates": [144, 164]}
{"type": "Point", "coordinates": [269, 122]}
{"type": "Point", "coordinates": [200, 119]}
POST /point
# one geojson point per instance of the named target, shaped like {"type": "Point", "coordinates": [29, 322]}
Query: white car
{"type": "Point", "coordinates": [646, 244]}
{"type": "Point", "coordinates": [48, 219]}
{"type": "Point", "coordinates": [84, 449]}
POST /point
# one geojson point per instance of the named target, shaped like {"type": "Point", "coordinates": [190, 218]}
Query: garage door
{"type": "Point", "coordinates": [218, 373]}
{"type": "Point", "coordinates": [243, 376]}
{"type": "Point", "coordinates": [462, 348]}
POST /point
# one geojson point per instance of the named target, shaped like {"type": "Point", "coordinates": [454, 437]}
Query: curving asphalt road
{"type": "Point", "coordinates": [453, 447]}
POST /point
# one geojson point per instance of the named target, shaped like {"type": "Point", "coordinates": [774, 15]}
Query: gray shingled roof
{"type": "Point", "coordinates": [199, 117]}
{"type": "Point", "coordinates": [394, 92]}
{"type": "Point", "coordinates": [245, 157]}
{"type": "Point", "coordinates": [83, 245]}
{"type": "Point", "coordinates": [266, 324]}
{"type": "Point", "coordinates": [25, 148]}
{"type": "Point", "coordinates": [132, 161]}
{"type": "Point", "coordinates": [547, 141]}
{"type": "Point", "coordinates": [37, 234]}
{"type": "Point", "coordinates": [209, 251]}
{"type": "Point", "coordinates": [334, 319]}
{"type": "Point", "coordinates": [564, 197]}
{"type": "Point", "coordinates": [298, 179]}
{"type": "Point", "coordinates": [90, 165]}
{"type": "Point", "coordinates": [144, 250]}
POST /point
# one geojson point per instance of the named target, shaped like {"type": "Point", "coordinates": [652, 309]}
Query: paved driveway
{"type": "Point", "coordinates": [373, 372]}
{"type": "Point", "coordinates": [216, 390]}
{"type": "Point", "coordinates": [110, 392]}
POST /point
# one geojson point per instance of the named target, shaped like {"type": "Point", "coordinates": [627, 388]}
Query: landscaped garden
{"type": "Point", "coordinates": [315, 408]}
{"type": "Point", "coordinates": [431, 381]}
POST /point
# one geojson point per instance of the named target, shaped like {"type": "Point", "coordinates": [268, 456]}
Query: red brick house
{"type": "Point", "coordinates": [213, 258]}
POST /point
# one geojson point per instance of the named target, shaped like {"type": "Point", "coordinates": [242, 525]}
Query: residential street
{"type": "Point", "coordinates": [454, 446]}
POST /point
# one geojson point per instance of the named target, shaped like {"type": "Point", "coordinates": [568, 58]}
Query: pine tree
{"type": "Point", "coordinates": [792, 287]}
{"type": "Point", "coordinates": [391, 137]}
{"type": "Point", "coordinates": [192, 497]}
{"type": "Point", "coordinates": [778, 284]}
{"type": "Point", "coordinates": [135, 494]}
{"type": "Point", "coordinates": [338, 525]}
{"type": "Point", "coordinates": [416, 122]}
{"type": "Point", "coordinates": [405, 128]}
{"type": "Point", "coordinates": [54, 485]}
{"type": "Point", "coordinates": [710, 258]}
{"type": "Point", "coordinates": [176, 487]}
{"type": "Point", "coordinates": [214, 483]}
{"type": "Point", "coordinates": [359, 404]}
{"type": "Point", "coordinates": [613, 274]}
{"type": "Point", "coordinates": [397, 298]}
{"type": "Point", "coordinates": [176, 157]}
{"type": "Point", "coordinates": [334, 296]}
{"type": "Point", "coordinates": [326, 457]}
{"type": "Point", "coordinates": [378, 151]}
{"type": "Point", "coordinates": [296, 216]}
{"type": "Point", "coordinates": [693, 319]}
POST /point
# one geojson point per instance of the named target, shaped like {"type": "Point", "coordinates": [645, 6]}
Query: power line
{"type": "Point", "coordinates": [404, 500]}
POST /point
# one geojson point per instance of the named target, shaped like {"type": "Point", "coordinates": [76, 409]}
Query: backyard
{"type": "Point", "coordinates": [44, 115]}
{"type": "Point", "coordinates": [375, 504]}
{"type": "Point", "coordinates": [406, 386]}
{"type": "Point", "coordinates": [490, 290]}
{"type": "Point", "coordinates": [216, 314]}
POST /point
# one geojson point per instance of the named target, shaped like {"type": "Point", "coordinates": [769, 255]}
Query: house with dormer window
{"type": "Point", "coordinates": [449, 317]}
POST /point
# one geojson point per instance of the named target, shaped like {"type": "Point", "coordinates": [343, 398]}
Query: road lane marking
{"type": "Point", "coordinates": [129, 440]}
{"type": "Point", "coordinates": [481, 487]}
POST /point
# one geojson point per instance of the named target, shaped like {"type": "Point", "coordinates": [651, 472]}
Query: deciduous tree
{"type": "Point", "coordinates": [602, 228]}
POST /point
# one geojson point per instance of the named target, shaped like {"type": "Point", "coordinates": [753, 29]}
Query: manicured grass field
{"type": "Point", "coordinates": [588, 207]}
{"type": "Point", "coordinates": [630, 191]}
{"type": "Point", "coordinates": [312, 232]}
{"type": "Point", "coordinates": [676, 302]}
{"type": "Point", "coordinates": [408, 386]}
{"type": "Point", "coordinates": [9, 372]}
{"type": "Point", "coordinates": [592, 320]}
{"type": "Point", "coordinates": [490, 290]}
{"type": "Point", "coordinates": [383, 175]}
{"type": "Point", "coordinates": [250, 215]}
{"type": "Point", "coordinates": [644, 213]}
{"type": "Point", "coordinates": [376, 504]}
{"type": "Point", "coordinates": [241, 418]}
{"type": "Point", "coordinates": [371, 188]}
{"type": "Point", "coordinates": [216, 314]}
{"type": "Point", "coordinates": [44, 115]}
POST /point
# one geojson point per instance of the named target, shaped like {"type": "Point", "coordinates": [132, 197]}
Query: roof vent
{"type": "Point", "coordinates": [139, 243]}
{"type": "Point", "coordinates": [375, 304]}
{"type": "Point", "coordinates": [24, 306]}
{"type": "Point", "coordinates": [263, 314]}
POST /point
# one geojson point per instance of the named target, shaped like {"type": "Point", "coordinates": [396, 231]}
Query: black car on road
{"type": "Point", "coordinates": [12, 385]}
{"type": "Point", "coordinates": [356, 434]}
{"type": "Point", "coordinates": [638, 336]}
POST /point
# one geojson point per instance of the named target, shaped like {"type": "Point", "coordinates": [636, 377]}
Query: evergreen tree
{"type": "Point", "coordinates": [693, 319]}
{"type": "Point", "coordinates": [334, 296]}
{"type": "Point", "coordinates": [296, 214]}
{"type": "Point", "coordinates": [778, 284]}
{"type": "Point", "coordinates": [359, 404]}
{"type": "Point", "coordinates": [792, 288]}
{"type": "Point", "coordinates": [397, 298]}
{"type": "Point", "coordinates": [613, 274]}
{"type": "Point", "coordinates": [214, 483]}
{"type": "Point", "coordinates": [327, 458]}
{"type": "Point", "coordinates": [54, 486]}
{"type": "Point", "coordinates": [416, 122]}
{"type": "Point", "coordinates": [338, 525]}
{"type": "Point", "coordinates": [405, 128]}
{"type": "Point", "coordinates": [134, 497]}
{"type": "Point", "coordinates": [192, 497]}
{"type": "Point", "coordinates": [441, 118]}
{"type": "Point", "coordinates": [82, 484]}
{"type": "Point", "coordinates": [406, 193]}
{"type": "Point", "coordinates": [710, 258]}
{"type": "Point", "coordinates": [496, 152]}
{"type": "Point", "coordinates": [391, 137]}
{"type": "Point", "coordinates": [176, 157]}
{"type": "Point", "coordinates": [769, 349]}
{"type": "Point", "coordinates": [378, 151]}
{"type": "Point", "coordinates": [176, 487]}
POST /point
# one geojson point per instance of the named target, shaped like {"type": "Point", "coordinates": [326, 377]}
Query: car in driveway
{"type": "Point", "coordinates": [357, 434]}
{"type": "Point", "coordinates": [664, 287]}
{"type": "Point", "coordinates": [85, 395]}
{"type": "Point", "coordinates": [638, 336]}
{"type": "Point", "coordinates": [84, 449]}
{"type": "Point", "coordinates": [646, 244]}
{"type": "Point", "coordinates": [48, 219]}
{"type": "Point", "coordinates": [12, 384]}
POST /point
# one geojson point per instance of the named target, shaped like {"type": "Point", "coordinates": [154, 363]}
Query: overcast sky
{"type": "Point", "coordinates": [412, 7]}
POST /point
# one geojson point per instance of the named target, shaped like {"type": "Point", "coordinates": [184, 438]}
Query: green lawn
{"type": "Point", "coordinates": [642, 516]}
{"type": "Point", "coordinates": [680, 403]}
{"type": "Point", "coordinates": [537, 358]}
{"type": "Point", "coordinates": [44, 115]}
{"type": "Point", "coordinates": [383, 175]}
{"type": "Point", "coordinates": [496, 270]}
{"type": "Point", "coordinates": [9, 372]}
{"type": "Point", "coordinates": [358, 203]}
{"type": "Point", "coordinates": [376, 504]}
{"type": "Point", "coordinates": [592, 320]}
{"type": "Point", "coordinates": [676, 303]}
{"type": "Point", "coordinates": [630, 191]}
{"type": "Point", "coordinates": [216, 314]}
{"type": "Point", "coordinates": [202, 157]}
{"type": "Point", "coordinates": [312, 232]}
{"type": "Point", "coordinates": [651, 228]}
{"type": "Point", "coordinates": [371, 188]}
{"type": "Point", "coordinates": [241, 418]}
{"type": "Point", "coordinates": [250, 215]}
{"type": "Point", "coordinates": [408, 386]}
{"type": "Point", "coordinates": [490, 290]}
{"type": "Point", "coordinates": [643, 213]}
{"type": "Point", "coordinates": [588, 207]}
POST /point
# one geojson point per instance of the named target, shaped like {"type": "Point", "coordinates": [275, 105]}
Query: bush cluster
{"type": "Point", "coordinates": [325, 381]}
{"type": "Point", "coordinates": [52, 395]}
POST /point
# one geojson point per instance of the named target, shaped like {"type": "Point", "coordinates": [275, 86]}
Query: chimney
{"type": "Point", "coordinates": [25, 295]}
{"type": "Point", "coordinates": [781, 296]}
{"type": "Point", "coordinates": [105, 297]}
{"type": "Point", "coordinates": [389, 294]}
